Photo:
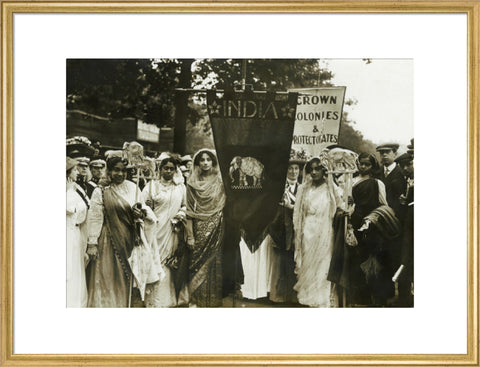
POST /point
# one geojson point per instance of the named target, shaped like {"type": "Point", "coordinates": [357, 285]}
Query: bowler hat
{"type": "Point", "coordinates": [410, 146]}
{"type": "Point", "coordinates": [405, 157]}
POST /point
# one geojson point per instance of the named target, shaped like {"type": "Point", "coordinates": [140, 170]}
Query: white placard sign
{"type": "Point", "coordinates": [317, 122]}
{"type": "Point", "coordinates": [147, 132]}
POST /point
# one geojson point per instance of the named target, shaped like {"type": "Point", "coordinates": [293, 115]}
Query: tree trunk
{"type": "Point", "coordinates": [181, 107]}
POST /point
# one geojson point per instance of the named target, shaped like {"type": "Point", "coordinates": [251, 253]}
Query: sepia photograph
{"type": "Point", "coordinates": [245, 170]}
{"type": "Point", "coordinates": [239, 183]}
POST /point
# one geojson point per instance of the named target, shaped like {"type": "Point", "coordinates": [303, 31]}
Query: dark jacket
{"type": "Point", "coordinates": [395, 185]}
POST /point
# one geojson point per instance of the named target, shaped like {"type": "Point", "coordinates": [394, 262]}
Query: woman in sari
{"type": "Point", "coordinates": [368, 192]}
{"type": "Point", "coordinates": [375, 228]}
{"type": "Point", "coordinates": [205, 202]}
{"type": "Point", "coordinates": [167, 198]}
{"type": "Point", "coordinates": [313, 215]}
{"type": "Point", "coordinates": [77, 207]}
{"type": "Point", "coordinates": [116, 242]}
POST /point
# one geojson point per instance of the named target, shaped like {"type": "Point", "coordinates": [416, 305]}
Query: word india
{"type": "Point", "coordinates": [315, 139]}
{"type": "Point", "coordinates": [252, 109]}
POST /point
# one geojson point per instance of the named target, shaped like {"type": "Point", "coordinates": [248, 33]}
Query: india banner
{"type": "Point", "coordinates": [252, 134]}
{"type": "Point", "coordinates": [318, 117]}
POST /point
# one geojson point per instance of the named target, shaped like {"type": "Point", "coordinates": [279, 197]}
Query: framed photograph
{"type": "Point", "coordinates": [289, 115]}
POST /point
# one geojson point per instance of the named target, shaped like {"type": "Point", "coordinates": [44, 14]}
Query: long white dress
{"type": "Point", "coordinates": [257, 269]}
{"type": "Point", "coordinates": [76, 250]}
{"type": "Point", "coordinates": [168, 199]}
{"type": "Point", "coordinates": [313, 219]}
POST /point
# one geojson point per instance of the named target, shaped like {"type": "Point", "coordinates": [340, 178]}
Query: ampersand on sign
{"type": "Point", "coordinates": [315, 129]}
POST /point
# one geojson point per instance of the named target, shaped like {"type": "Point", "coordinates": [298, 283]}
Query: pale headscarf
{"type": "Point", "coordinates": [299, 212]}
{"type": "Point", "coordinates": [177, 176]}
{"type": "Point", "coordinates": [205, 194]}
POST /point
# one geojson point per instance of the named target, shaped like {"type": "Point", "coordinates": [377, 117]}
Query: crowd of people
{"type": "Point", "coordinates": [154, 237]}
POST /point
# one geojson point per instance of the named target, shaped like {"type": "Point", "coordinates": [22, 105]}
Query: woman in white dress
{"type": "Point", "coordinates": [313, 215]}
{"type": "Point", "coordinates": [76, 240]}
{"type": "Point", "coordinates": [167, 198]}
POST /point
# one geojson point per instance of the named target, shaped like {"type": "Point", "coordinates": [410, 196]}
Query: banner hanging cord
{"type": "Point", "coordinates": [244, 74]}
{"type": "Point", "coordinates": [222, 91]}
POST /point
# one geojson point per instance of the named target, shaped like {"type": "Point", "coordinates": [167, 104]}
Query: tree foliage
{"type": "Point", "coordinates": [261, 74]}
{"type": "Point", "coordinates": [352, 139]}
{"type": "Point", "coordinates": [140, 88]}
{"type": "Point", "coordinates": [145, 89]}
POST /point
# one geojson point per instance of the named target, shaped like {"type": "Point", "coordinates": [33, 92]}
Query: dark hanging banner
{"type": "Point", "coordinates": [253, 135]}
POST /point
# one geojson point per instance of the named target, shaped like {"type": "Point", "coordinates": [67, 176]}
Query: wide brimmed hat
{"type": "Point", "coordinates": [298, 157]}
{"type": "Point", "coordinates": [71, 163]}
{"type": "Point", "coordinates": [79, 146]}
{"type": "Point", "coordinates": [388, 146]}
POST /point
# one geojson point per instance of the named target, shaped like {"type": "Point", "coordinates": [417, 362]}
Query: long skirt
{"type": "Point", "coordinates": [205, 287]}
{"type": "Point", "coordinates": [108, 283]}
{"type": "Point", "coordinates": [257, 269]}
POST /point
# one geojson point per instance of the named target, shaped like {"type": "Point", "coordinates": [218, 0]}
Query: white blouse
{"type": "Point", "coordinates": [95, 215]}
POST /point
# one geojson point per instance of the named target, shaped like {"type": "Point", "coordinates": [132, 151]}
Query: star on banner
{"type": "Point", "coordinates": [214, 108]}
{"type": "Point", "coordinates": [288, 111]}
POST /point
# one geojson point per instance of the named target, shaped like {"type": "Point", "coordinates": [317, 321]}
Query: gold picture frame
{"type": "Point", "coordinates": [472, 11]}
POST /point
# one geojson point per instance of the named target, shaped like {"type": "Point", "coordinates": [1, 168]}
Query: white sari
{"type": "Point", "coordinates": [168, 199]}
{"type": "Point", "coordinates": [313, 222]}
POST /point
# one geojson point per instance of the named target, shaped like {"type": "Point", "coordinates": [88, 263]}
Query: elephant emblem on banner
{"type": "Point", "coordinates": [246, 172]}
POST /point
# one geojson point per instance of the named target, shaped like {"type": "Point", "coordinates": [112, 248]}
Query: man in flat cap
{"type": "Point", "coordinates": [392, 176]}
{"type": "Point", "coordinates": [97, 169]}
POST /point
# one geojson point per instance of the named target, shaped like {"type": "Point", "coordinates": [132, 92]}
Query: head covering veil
{"type": "Point", "coordinates": [177, 176]}
{"type": "Point", "coordinates": [300, 210]}
{"type": "Point", "coordinates": [205, 193]}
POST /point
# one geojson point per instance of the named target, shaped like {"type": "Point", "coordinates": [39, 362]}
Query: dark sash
{"type": "Point", "coordinates": [120, 227]}
{"type": "Point", "coordinates": [82, 195]}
